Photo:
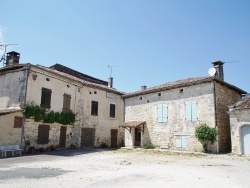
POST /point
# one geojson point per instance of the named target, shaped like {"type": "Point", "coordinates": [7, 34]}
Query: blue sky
{"type": "Point", "coordinates": [149, 42]}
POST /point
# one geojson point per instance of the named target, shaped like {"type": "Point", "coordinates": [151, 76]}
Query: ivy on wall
{"type": "Point", "coordinates": [41, 114]}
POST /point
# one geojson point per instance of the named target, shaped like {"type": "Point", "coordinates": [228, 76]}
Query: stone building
{"type": "Point", "coordinates": [97, 105]}
{"type": "Point", "coordinates": [240, 126]}
{"type": "Point", "coordinates": [166, 115]}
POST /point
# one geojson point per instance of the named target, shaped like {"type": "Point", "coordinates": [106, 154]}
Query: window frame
{"type": "Point", "coordinates": [112, 110]}
{"type": "Point", "coordinates": [162, 113]}
{"type": "Point", "coordinates": [191, 111]}
{"type": "Point", "coordinates": [46, 98]}
{"type": "Point", "coordinates": [94, 108]}
{"type": "Point", "coordinates": [66, 102]}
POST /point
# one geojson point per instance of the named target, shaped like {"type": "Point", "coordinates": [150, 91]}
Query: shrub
{"type": "Point", "coordinates": [205, 135]}
{"type": "Point", "coordinates": [148, 146]}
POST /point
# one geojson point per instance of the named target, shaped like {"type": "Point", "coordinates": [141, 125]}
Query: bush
{"type": "Point", "coordinates": [205, 135]}
{"type": "Point", "coordinates": [148, 146]}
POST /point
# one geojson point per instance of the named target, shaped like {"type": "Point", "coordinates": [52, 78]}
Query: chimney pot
{"type": "Point", "coordinates": [143, 87]}
{"type": "Point", "coordinates": [110, 84]}
{"type": "Point", "coordinates": [12, 58]}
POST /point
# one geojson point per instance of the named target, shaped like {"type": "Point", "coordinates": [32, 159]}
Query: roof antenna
{"type": "Point", "coordinates": [231, 62]}
{"type": "Point", "coordinates": [3, 58]}
{"type": "Point", "coordinates": [111, 67]}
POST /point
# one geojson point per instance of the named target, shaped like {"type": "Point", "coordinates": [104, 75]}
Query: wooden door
{"type": "Point", "coordinates": [114, 133]}
{"type": "Point", "coordinates": [62, 141]}
{"type": "Point", "coordinates": [137, 137]}
{"type": "Point", "coordinates": [88, 137]}
{"type": "Point", "coordinates": [245, 134]}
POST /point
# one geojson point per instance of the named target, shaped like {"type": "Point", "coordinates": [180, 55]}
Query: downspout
{"type": "Point", "coordinates": [215, 115]}
{"type": "Point", "coordinates": [22, 105]}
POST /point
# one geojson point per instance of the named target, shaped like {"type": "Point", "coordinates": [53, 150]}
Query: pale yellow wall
{"type": "Point", "coordinates": [80, 104]}
{"type": "Point", "coordinates": [8, 134]}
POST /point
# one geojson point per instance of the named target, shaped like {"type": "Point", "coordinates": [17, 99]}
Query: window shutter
{"type": "Point", "coordinates": [164, 113]}
{"type": "Point", "coordinates": [159, 113]}
{"type": "Point", "coordinates": [18, 122]}
{"type": "Point", "coordinates": [178, 142]}
{"type": "Point", "coordinates": [184, 141]}
{"type": "Point", "coordinates": [194, 111]}
{"type": "Point", "coordinates": [188, 111]}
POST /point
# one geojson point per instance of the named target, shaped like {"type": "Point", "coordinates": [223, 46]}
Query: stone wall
{"type": "Point", "coordinates": [164, 135]}
{"type": "Point", "coordinates": [224, 98]}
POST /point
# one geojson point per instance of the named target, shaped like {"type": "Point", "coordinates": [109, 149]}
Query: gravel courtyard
{"type": "Point", "coordinates": [124, 168]}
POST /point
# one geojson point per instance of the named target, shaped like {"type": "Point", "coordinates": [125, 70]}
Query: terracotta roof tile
{"type": "Point", "coordinates": [243, 103]}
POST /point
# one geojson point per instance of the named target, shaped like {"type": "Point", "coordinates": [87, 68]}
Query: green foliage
{"type": "Point", "coordinates": [40, 114]}
{"type": "Point", "coordinates": [205, 135]}
{"type": "Point", "coordinates": [148, 146]}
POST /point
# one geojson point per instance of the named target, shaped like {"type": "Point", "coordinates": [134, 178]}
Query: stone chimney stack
{"type": "Point", "coordinates": [143, 87]}
{"type": "Point", "coordinates": [110, 82]}
{"type": "Point", "coordinates": [12, 58]}
{"type": "Point", "coordinates": [218, 65]}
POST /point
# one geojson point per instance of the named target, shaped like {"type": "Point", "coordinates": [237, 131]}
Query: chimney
{"type": "Point", "coordinates": [110, 82]}
{"type": "Point", "coordinates": [218, 65]}
{"type": "Point", "coordinates": [143, 87]}
{"type": "Point", "coordinates": [12, 58]}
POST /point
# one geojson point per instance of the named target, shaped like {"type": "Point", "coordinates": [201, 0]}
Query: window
{"type": "Point", "coordinates": [66, 102]}
{"type": "Point", "coordinates": [112, 110]}
{"type": "Point", "coordinates": [18, 122]}
{"type": "Point", "coordinates": [181, 141]}
{"type": "Point", "coordinates": [46, 98]}
{"type": "Point", "coordinates": [43, 134]}
{"type": "Point", "coordinates": [94, 108]}
{"type": "Point", "coordinates": [162, 113]}
{"type": "Point", "coordinates": [191, 114]}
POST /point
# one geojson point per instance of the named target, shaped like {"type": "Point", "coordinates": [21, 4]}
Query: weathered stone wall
{"type": "Point", "coordinates": [12, 88]}
{"type": "Point", "coordinates": [224, 98]}
{"type": "Point", "coordinates": [8, 134]}
{"type": "Point", "coordinates": [31, 134]}
{"type": "Point", "coordinates": [144, 108]}
{"type": "Point", "coordinates": [238, 119]}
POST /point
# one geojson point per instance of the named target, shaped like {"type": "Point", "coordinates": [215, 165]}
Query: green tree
{"type": "Point", "coordinates": [205, 135]}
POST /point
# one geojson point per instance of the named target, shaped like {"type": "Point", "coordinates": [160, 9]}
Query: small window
{"type": "Point", "coordinates": [159, 94]}
{"type": "Point", "coordinates": [46, 98]}
{"type": "Point", "coordinates": [47, 79]}
{"type": "Point", "coordinates": [18, 122]}
{"type": "Point", "coordinates": [95, 92]}
{"type": "Point", "coordinates": [68, 86]}
{"type": "Point", "coordinates": [90, 92]}
{"type": "Point", "coordinates": [147, 101]}
{"type": "Point", "coordinates": [140, 98]}
{"type": "Point", "coordinates": [112, 110]}
{"type": "Point", "coordinates": [181, 90]}
{"type": "Point", "coordinates": [94, 108]}
{"type": "Point", "coordinates": [43, 134]}
{"type": "Point", "coordinates": [66, 102]}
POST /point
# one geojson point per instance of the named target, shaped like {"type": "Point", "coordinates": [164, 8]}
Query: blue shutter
{"type": "Point", "coordinates": [184, 141]}
{"type": "Point", "coordinates": [164, 113]}
{"type": "Point", "coordinates": [159, 113]}
{"type": "Point", "coordinates": [194, 111]}
{"type": "Point", "coordinates": [188, 111]}
{"type": "Point", "coordinates": [178, 142]}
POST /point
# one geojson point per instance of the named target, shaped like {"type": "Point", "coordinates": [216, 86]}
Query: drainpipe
{"type": "Point", "coordinates": [24, 103]}
{"type": "Point", "coordinates": [215, 115]}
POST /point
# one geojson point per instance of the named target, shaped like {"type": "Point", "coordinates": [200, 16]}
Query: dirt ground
{"type": "Point", "coordinates": [124, 168]}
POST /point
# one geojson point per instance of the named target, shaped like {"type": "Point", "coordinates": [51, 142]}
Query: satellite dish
{"type": "Point", "coordinates": [212, 71]}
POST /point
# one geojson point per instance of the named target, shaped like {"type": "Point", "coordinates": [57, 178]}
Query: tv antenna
{"type": "Point", "coordinates": [231, 62]}
{"type": "Point", "coordinates": [111, 67]}
{"type": "Point", "coordinates": [3, 58]}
